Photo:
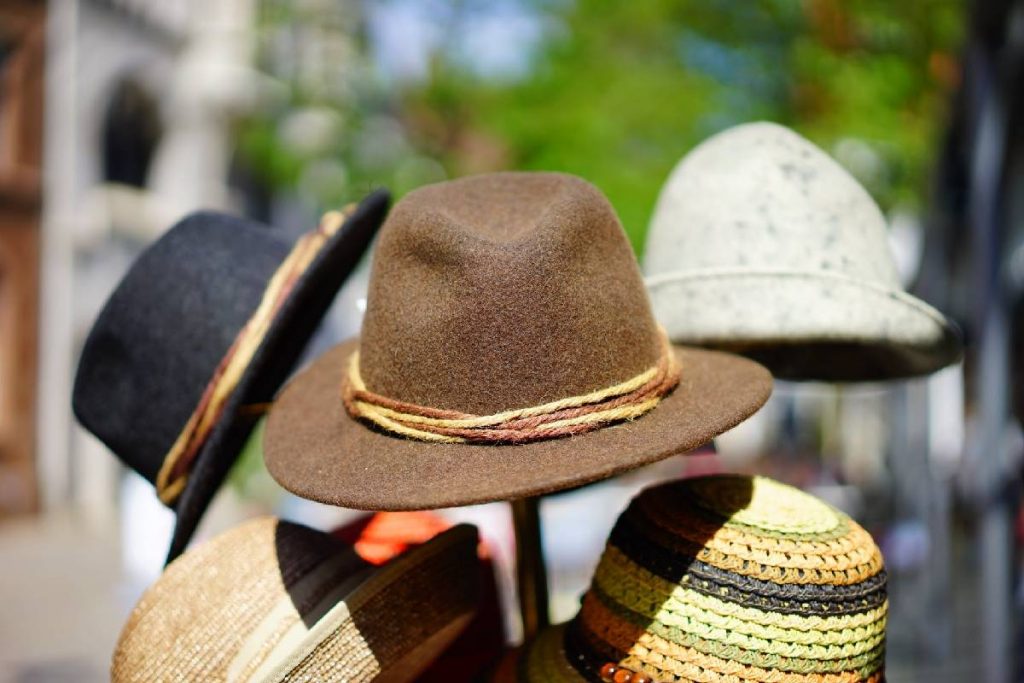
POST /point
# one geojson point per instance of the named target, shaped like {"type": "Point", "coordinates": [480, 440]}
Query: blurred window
{"type": "Point", "coordinates": [22, 35]}
{"type": "Point", "coordinates": [7, 49]}
{"type": "Point", "coordinates": [131, 130]}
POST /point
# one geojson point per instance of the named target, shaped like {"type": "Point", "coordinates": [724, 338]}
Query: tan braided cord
{"type": "Point", "coordinates": [626, 400]}
{"type": "Point", "coordinates": [174, 471]}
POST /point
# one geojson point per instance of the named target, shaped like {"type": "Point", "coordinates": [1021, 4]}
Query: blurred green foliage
{"type": "Point", "coordinates": [615, 92]}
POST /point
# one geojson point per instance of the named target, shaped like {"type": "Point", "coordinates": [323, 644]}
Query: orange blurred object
{"type": "Point", "coordinates": [384, 535]}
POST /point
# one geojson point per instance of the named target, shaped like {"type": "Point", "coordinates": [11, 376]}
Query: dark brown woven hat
{"type": "Point", "coordinates": [511, 300]}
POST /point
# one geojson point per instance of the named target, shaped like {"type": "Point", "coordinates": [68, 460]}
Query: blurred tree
{"type": "Point", "coordinates": [618, 92]}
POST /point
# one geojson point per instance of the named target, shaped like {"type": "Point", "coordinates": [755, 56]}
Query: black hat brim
{"type": "Point", "coordinates": [286, 338]}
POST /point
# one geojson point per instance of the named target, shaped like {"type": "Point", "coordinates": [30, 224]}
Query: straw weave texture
{"type": "Point", "coordinates": [394, 616]}
{"type": "Point", "coordinates": [275, 601]}
{"type": "Point", "coordinates": [195, 618]}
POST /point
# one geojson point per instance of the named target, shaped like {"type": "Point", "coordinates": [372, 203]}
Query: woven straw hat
{"type": "Point", "coordinates": [382, 536]}
{"type": "Point", "coordinates": [508, 350]}
{"type": "Point", "coordinates": [762, 244]}
{"type": "Point", "coordinates": [213, 290]}
{"type": "Point", "coordinates": [273, 601]}
{"type": "Point", "coordinates": [723, 578]}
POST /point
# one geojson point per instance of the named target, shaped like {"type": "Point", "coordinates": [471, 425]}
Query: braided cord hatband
{"type": "Point", "coordinates": [573, 415]}
{"type": "Point", "coordinates": [177, 464]}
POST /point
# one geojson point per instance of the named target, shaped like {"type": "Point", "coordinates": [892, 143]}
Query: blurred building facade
{"type": "Point", "coordinates": [141, 95]}
{"type": "Point", "coordinates": [22, 47]}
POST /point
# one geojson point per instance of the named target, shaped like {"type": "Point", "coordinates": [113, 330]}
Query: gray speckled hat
{"type": "Point", "coordinates": [762, 244]}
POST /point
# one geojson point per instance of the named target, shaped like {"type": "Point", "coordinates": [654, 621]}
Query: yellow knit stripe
{"type": "Point", "coordinates": [546, 661]}
{"type": "Point", "coordinates": [762, 503]}
{"type": "Point", "coordinates": [599, 618]}
{"type": "Point", "coordinates": [857, 557]}
{"type": "Point", "coordinates": [694, 612]}
{"type": "Point", "coordinates": [728, 538]}
{"type": "Point", "coordinates": [617, 574]}
{"type": "Point", "coordinates": [684, 517]}
{"type": "Point", "coordinates": [657, 657]}
{"type": "Point", "coordinates": [854, 549]}
{"type": "Point", "coordinates": [782, 567]}
{"type": "Point", "coordinates": [249, 339]}
{"type": "Point", "coordinates": [670, 646]}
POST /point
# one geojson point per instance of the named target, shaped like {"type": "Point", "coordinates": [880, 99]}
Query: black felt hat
{"type": "Point", "coordinates": [167, 329]}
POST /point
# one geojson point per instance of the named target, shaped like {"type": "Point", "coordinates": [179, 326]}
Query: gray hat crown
{"type": "Point", "coordinates": [760, 197]}
{"type": "Point", "coordinates": [761, 243]}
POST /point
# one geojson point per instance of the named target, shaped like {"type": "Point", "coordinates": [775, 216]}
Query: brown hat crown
{"type": "Point", "coordinates": [502, 291]}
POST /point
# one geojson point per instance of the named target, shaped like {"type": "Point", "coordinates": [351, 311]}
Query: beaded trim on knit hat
{"type": "Point", "coordinates": [727, 578]}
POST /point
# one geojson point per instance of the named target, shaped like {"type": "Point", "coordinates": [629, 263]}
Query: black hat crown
{"type": "Point", "coordinates": [162, 337]}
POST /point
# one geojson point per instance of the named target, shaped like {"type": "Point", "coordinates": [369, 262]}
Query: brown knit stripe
{"type": "Point", "coordinates": [681, 515]}
{"type": "Point", "coordinates": [617, 570]}
{"type": "Point", "coordinates": [642, 544]}
{"type": "Point", "coordinates": [852, 560]}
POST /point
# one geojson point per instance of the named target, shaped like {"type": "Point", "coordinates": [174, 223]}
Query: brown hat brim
{"type": "Point", "coordinates": [316, 450]}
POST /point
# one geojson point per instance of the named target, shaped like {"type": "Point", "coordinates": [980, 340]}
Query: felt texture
{"type": "Point", "coordinates": [504, 291]}
{"type": "Point", "coordinates": [159, 338]}
{"type": "Point", "coordinates": [490, 293]}
{"type": "Point", "coordinates": [760, 242]}
{"type": "Point", "coordinates": [315, 450]}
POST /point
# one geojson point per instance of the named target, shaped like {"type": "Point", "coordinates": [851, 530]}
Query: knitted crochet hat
{"type": "Point", "coordinates": [508, 350]}
{"type": "Point", "coordinates": [273, 601]}
{"type": "Point", "coordinates": [723, 578]}
{"type": "Point", "coordinates": [762, 244]}
{"type": "Point", "coordinates": [202, 330]}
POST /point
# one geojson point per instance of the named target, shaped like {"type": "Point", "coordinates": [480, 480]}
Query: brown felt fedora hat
{"type": "Point", "coordinates": [272, 601]}
{"type": "Point", "coordinates": [508, 350]}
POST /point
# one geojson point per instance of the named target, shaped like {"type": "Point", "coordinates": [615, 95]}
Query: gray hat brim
{"type": "Point", "coordinates": [806, 325]}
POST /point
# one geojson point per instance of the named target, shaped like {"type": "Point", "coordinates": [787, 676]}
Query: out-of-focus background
{"type": "Point", "coordinates": [118, 116]}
